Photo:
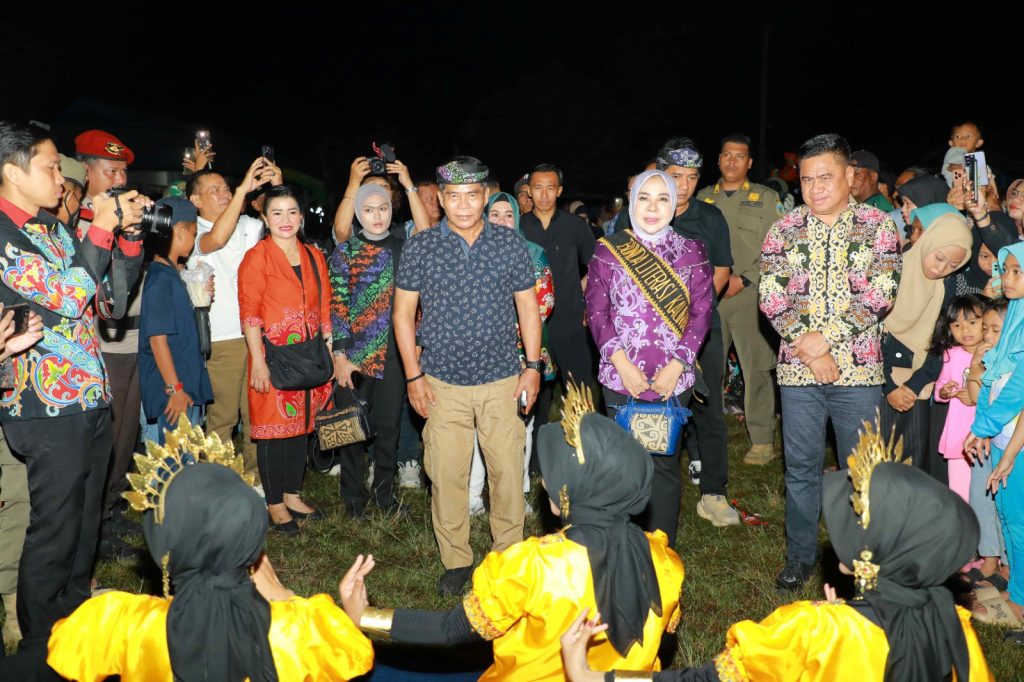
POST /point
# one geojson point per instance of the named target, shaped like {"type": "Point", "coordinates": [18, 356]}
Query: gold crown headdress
{"type": "Point", "coordinates": [872, 449]}
{"type": "Point", "coordinates": [184, 446]}
{"type": "Point", "coordinates": [578, 402]}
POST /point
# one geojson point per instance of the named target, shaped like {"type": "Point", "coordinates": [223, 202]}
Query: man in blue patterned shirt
{"type": "Point", "coordinates": [472, 279]}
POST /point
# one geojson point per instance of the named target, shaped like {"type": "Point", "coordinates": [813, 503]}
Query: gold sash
{"type": "Point", "coordinates": [660, 284]}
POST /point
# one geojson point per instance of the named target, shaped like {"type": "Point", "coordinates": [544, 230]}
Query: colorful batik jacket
{"type": "Point", "coordinates": [839, 280]}
{"type": "Point", "coordinates": [42, 264]}
{"type": "Point", "coordinates": [362, 290]}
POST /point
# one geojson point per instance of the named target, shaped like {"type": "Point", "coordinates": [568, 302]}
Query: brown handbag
{"type": "Point", "coordinates": [343, 425]}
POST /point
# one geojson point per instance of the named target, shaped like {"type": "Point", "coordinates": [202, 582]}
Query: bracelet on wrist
{"type": "Point", "coordinates": [410, 190]}
{"type": "Point", "coordinates": [415, 378]}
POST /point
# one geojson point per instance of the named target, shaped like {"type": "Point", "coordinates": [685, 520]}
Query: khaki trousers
{"type": "Point", "coordinates": [14, 516]}
{"type": "Point", "coordinates": [490, 410]}
{"type": "Point", "coordinates": [229, 378]}
{"type": "Point", "coordinates": [741, 325]}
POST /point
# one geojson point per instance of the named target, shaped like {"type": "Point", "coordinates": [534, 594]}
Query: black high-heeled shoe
{"type": "Point", "coordinates": [286, 528]}
{"type": "Point", "coordinates": [315, 515]}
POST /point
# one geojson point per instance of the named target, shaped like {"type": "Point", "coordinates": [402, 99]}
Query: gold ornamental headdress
{"type": "Point", "coordinates": [872, 449]}
{"type": "Point", "coordinates": [578, 402]}
{"type": "Point", "coordinates": [184, 446]}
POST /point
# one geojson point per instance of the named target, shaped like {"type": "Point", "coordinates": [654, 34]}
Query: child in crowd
{"type": "Point", "coordinates": [967, 136]}
{"type": "Point", "coordinates": [1000, 401]}
{"type": "Point", "coordinates": [172, 372]}
{"type": "Point", "coordinates": [990, 546]}
{"type": "Point", "coordinates": [957, 335]}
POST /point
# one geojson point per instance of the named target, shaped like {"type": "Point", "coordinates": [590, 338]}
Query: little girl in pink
{"type": "Point", "coordinates": [958, 334]}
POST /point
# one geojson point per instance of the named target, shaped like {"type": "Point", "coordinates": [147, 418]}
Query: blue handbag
{"type": "Point", "coordinates": [655, 426]}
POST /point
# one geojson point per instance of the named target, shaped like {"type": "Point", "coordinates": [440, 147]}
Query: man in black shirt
{"type": "Point", "coordinates": [569, 245]}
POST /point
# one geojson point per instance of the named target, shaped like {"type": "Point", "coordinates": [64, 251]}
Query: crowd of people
{"type": "Point", "coordinates": [857, 296]}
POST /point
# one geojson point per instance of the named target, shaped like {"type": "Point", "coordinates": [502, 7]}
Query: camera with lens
{"type": "Point", "coordinates": [382, 156]}
{"type": "Point", "coordinates": [155, 219]}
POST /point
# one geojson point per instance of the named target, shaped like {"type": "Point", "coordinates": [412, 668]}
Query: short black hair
{"type": "Point", "coordinates": [826, 143]}
{"type": "Point", "coordinates": [964, 122]}
{"type": "Point", "coordinates": [736, 138]}
{"type": "Point", "coordinates": [547, 168]}
{"type": "Point", "coordinates": [193, 180]}
{"type": "Point", "coordinates": [426, 182]}
{"type": "Point", "coordinates": [998, 305]}
{"type": "Point", "coordinates": [19, 143]}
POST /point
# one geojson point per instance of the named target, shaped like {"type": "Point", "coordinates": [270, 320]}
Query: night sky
{"type": "Point", "coordinates": [518, 84]}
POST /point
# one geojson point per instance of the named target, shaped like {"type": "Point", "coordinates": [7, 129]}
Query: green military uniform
{"type": "Point", "coordinates": [14, 513]}
{"type": "Point", "coordinates": [750, 211]}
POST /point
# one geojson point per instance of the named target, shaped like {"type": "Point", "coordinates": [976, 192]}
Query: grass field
{"type": "Point", "coordinates": [729, 572]}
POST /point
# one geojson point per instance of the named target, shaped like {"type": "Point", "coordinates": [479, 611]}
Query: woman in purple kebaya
{"type": "Point", "coordinates": [649, 317]}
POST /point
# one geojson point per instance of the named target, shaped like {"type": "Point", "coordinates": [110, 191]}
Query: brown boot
{"type": "Point", "coordinates": [11, 631]}
{"type": "Point", "coordinates": [760, 454]}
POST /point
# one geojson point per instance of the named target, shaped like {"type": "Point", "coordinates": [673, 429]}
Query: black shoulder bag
{"type": "Point", "coordinates": [304, 365]}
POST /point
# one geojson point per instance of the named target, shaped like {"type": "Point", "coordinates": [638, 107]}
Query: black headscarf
{"type": "Point", "coordinates": [924, 190]}
{"type": "Point", "coordinates": [613, 483]}
{"type": "Point", "coordinates": [920, 533]}
{"type": "Point", "coordinates": [214, 527]}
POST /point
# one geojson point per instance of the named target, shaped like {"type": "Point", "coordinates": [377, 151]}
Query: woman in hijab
{"type": "Point", "coordinates": [909, 369]}
{"type": "Point", "coordinates": [206, 527]}
{"type": "Point", "coordinates": [503, 210]}
{"type": "Point", "coordinates": [366, 360]}
{"type": "Point", "coordinates": [649, 352]}
{"type": "Point", "coordinates": [596, 476]}
{"type": "Point", "coordinates": [901, 535]}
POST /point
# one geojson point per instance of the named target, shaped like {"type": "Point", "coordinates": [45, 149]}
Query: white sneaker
{"type": "Point", "coordinates": [717, 510]}
{"type": "Point", "coordinates": [476, 507]}
{"type": "Point", "coordinates": [409, 475]}
{"type": "Point", "coordinates": [334, 470]}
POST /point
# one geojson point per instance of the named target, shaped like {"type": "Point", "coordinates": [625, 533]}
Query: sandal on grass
{"type": "Point", "coordinates": [975, 576]}
{"type": "Point", "coordinates": [997, 610]}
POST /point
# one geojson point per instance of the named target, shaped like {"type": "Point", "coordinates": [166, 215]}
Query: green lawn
{"type": "Point", "coordinates": [729, 572]}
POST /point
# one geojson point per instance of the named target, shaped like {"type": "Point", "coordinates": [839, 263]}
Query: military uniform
{"type": "Point", "coordinates": [750, 211]}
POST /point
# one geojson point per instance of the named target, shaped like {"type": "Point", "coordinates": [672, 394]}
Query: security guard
{"type": "Point", "coordinates": [750, 210]}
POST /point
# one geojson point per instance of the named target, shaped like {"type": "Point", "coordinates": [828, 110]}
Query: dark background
{"type": "Point", "coordinates": [515, 84]}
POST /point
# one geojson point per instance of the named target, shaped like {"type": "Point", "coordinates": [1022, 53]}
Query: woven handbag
{"type": "Point", "coordinates": [343, 425]}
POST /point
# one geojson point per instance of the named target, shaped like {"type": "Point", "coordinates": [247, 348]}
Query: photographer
{"type": "Point", "coordinates": [106, 160]}
{"type": "Point", "coordinates": [57, 417]}
{"type": "Point", "coordinates": [365, 170]}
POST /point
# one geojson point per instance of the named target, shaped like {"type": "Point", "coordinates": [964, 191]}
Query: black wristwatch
{"type": "Point", "coordinates": [536, 365]}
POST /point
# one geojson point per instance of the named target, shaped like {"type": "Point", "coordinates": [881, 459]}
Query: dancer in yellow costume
{"type": "Point", "coordinates": [206, 526]}
{"type": "Point", "coordinates": [523, 598]}
{"type": "Point", "coordinates": [903, 534]}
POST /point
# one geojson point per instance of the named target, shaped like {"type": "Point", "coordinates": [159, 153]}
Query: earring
{"type": "Point", "coordinates": [865, 573]}
{"type": "Point", "coordinates": [166, 575]}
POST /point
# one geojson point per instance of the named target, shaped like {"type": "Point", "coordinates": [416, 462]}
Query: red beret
{"type": "Point", "coordinates": [103, 145]}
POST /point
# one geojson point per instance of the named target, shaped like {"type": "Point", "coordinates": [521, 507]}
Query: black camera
{"type": "Point", "coordinates": [382, 156]}
{"type": "Point", "coordinates": [155, 219]}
